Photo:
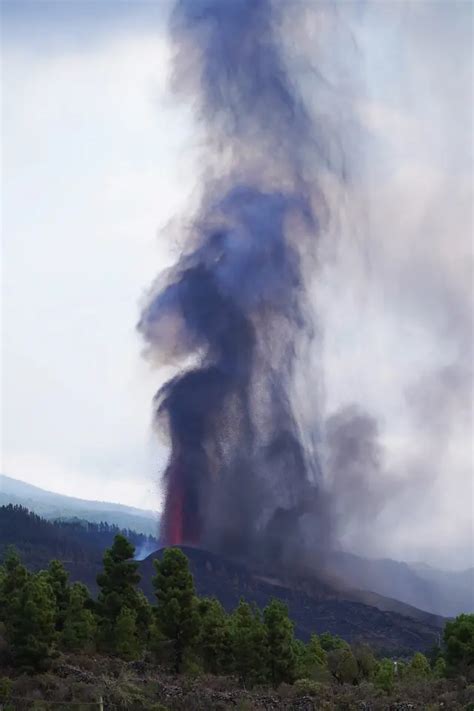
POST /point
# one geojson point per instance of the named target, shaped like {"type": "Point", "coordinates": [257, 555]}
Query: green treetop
{"type": "Point", "coordinates": [31, 628]}
{"type": "Point", "coordinates": [176, 609]}
{"type": "Point", "coordinates": [58, 579]}
{"type": "Point", "coordinates": [385, 675]}
{"type": "Point", "coordinates": [249, 644]}
{"type": "Point", "coordinates": [331, 642]}
{"type": "Point", "coordinates": [419, 667]}
{"type": "Point", "coordinates": [118, 590]}
{"type": "Point", "coordinates": [280, 642]}
{"type": "Point", "coordinates": [80, 625]}
{"type": "Point", "coordinates": [311, 659]}
{"type": "Point", "coordinates": [214, 636]}
{"type": "Point", "coordinates": [12, 581]}
{"type": "Point", "coordinates": [459, 643]}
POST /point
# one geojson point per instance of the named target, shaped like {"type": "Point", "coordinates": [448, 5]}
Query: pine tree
{"type": "Point", "coordinates": [31, 629]}
{"type": "Point", "coordinates": [315, 651]}
{"type": "Point", "coordinates": [280, 643]}
{"type": "Point", "coordinates": [249, 644]}
{"type": "Point", "coordinates": [118, 589]}
{"type": "Point", "coordinates": [331, 642]}
{"type": "Point", "coordinates": [459, 643]}
{"type": "Point", "coordinates": [144, 617]}
{"type": "Point", "coordinates": [439, 668]}
{"type": "Point", "coordinates": [58, 579]}
{"type": "Point", "coordinates": [214, 637]}
{"type": "Point", "coordinates": [385, 675]}
{"type": "Point", "coordinates": [419, 667]}
{"type": "Point", "coordinates": [311, 659]}
{"type": "Point", "coordinates": [343, 665]}
{"type": "Point", "coordinates": [80, 626]}
{"type": "Point", "coordinates": [12, 582]}
{"type": "Point", "coordinates": [365, 659]}
{"type": "Point", "coordinates": [176, 610]}
{"type": "Point", "coordinates": [127, 643]}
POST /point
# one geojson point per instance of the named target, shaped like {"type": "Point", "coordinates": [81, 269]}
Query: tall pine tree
{"type": "Point", "coordinates": [118, 590]}
{"type": "Point", "coordinates": [31, 629]}
{"type": "Point", "coordinates": [176, 609]}
{"type": "Point", "coordinates": [80, 626]}
{"type": "Point", "coordinates": [249, 644]}
{"type": "Point", "coordinates": [280, 643]}
{"type": "Point", "coordinates": [127, 643]}
{"type": "Point", "coordinates": [58, 579]}
{"type": "Point", "coordinates": [12, 582]}
{"type": "Point", "coordinates": [214, 637]}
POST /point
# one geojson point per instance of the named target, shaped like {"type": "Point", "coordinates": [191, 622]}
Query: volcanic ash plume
{"type": "Point", "coordinates": [239, 478]}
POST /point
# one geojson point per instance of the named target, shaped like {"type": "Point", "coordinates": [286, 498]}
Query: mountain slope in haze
{"type": "Point", "coordinates": [439, 592]}
{"type": "Point", "coordinates": [456, 583]}
{"type": "Point", "coordinates": [57, 506]}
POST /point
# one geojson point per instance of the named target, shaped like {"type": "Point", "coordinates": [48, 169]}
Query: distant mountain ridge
{"type": "Point", "coordinates": [437, 591]}
{"type": "Point", "coordinates": [58, 506]}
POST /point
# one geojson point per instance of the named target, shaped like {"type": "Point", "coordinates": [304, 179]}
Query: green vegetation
{"type": "Point", "coordinates": [280, 643]}
{"type": "Point", "coordinates": [44, 618]}
{"type": "Point", "coordinates": [214, 642]}
{"type": "Point", "coordinates": [80, 624]}
{"type": "Point", "coordinates": [56, 507]}
{"type": "Point", "coordinates": [75, 540]}
{"type": "Point", "coordinates": [385, 676]}
{"type": "Point", "coordinates": [248, 644]}
{"type": "Point", "coordinates": [123, 613]}
{"type": "Point", "coordinates": [176, 610]}
{"type": "Point", "coordinates": [459, 641]}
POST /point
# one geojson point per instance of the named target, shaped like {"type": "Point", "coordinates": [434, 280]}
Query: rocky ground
{"type": "Point", "coordinates": [81, 682]}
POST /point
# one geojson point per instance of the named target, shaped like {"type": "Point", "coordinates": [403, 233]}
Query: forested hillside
{"type": "Point", "coordinates": [54, 506]}
{"type": "Point", "coordinates": [75, 541]}
{"type": "Point", "coordinates": [420, 586]}
{"type": "Point", "coordinates": [59, 646]}
{"type": "Point", "coordinates": [384, 623]}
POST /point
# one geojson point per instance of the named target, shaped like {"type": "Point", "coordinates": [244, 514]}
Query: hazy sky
{"type": "Point", "coordinates": [98, 158]}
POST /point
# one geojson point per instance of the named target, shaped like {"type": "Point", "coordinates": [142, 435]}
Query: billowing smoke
{"type": "Point", "coordinates": [234, 307]}
{"type": "Point", "coordinates": [320, 310]}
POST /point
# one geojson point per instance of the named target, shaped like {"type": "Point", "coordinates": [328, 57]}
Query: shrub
{"type": "Point", "coordinates": [384, 676]}
{"type": "Point", "coordinates": [343, 665]}
{"type": "Point", "coordinates": [307, 687]}
{"type": "Point", "coordinates": [439, 669]}
{"type": "Point", "coordinates": [419, 667]}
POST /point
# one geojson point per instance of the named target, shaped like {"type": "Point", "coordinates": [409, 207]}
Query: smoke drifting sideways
{"type": "Point", "coordinates": [234, 308]}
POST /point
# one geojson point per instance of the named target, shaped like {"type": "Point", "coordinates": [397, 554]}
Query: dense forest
{"type": "Point", "coordinates": [49, 627]}
{"type": "Point", "coordinates": [72, 540]}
